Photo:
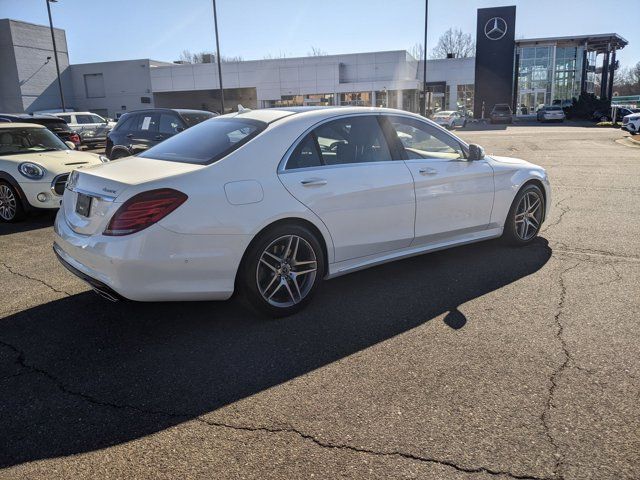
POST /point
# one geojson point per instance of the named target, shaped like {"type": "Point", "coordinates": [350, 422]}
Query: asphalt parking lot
{"type": "Point", "coordinates": [480, 362]}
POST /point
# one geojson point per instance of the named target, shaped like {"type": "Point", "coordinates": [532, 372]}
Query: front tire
{"type": "Point", "coordinates": [281, 270]}
{"type": "Point", "coordinates": [10, 205]}
{"type": "Point", "coordinates": [525, 216]}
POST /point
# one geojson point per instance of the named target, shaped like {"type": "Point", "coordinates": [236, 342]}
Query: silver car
{"type": "Point", "coordinates": [91, 127]}
{"type": "Point", "coordinates": [550, 113]}
{"type": "Point", "coordinates": [449, 119]}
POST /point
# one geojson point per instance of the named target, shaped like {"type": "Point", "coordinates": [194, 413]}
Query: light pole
{"type": "Point", "coordinates": [215, 21]}
{"type": "Point", "coordinates": [55, 52]}
{"type": "Point", "coordinates": [424, 63]}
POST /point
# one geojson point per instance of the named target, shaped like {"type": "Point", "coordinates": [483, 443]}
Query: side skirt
{"type": "Point", "coordinates": [353, 265]}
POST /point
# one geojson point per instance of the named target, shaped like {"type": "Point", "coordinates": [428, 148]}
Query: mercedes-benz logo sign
{"type": "Point", "coordinates": [495, 29]}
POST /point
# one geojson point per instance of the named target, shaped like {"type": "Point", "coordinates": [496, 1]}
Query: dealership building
{"type": "Point", "coordinates": [523, 73]}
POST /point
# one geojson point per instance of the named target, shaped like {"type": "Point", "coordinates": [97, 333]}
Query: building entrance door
{"type": "Point", "coordinates": [530, 100]}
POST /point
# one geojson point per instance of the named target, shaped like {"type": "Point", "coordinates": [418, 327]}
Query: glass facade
{"type": "Point", "coordinates": [465, 98]}
{"type": "Point", "coordinates": [552, 74]}
{"type": "Point", "coordinates": [358, 99]}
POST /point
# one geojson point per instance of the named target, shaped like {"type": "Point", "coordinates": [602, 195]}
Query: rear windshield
{"type": "Point", "coordinates": [207, 142]}
{"type": "Point", "coordinates": [55, 125]}
{"type": "Point", "coordinates": [194, 118]}
{"type": "Point", "coordinates": [502, 108]}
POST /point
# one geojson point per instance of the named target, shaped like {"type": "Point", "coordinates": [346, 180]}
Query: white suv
{"type": "Point", "coordinates": [91, 127]}
{"type": "Point", "coordinates": [631, 123]}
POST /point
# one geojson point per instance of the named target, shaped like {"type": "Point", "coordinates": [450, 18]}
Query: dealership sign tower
{"type": "Point", "coordinates": [495, 46]}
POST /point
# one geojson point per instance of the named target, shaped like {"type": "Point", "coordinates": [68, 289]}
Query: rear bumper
{"type": "Point", "coordinates": [153, 265]}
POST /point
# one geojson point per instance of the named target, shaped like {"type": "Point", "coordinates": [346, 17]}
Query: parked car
{"type": "Point", "coordinates": [56, 125]}
{"type": "Point", "coordinates": [550, 113]}
{"type": "Point", "coordinates": [501, 113]}
{"type": "Point", "coordinates": [272, 201]}
{"type": "Point", "coordinates": [605, 116]}
{"type": "Point", "coordinates": [137, 131]}
{"type": "Point", "coordinates": [631, 123]}
{"type": "Point", "coordinates": [34, 166]}
{"type": "Point", "coordinates": [449, 119]}
{"type": "Point", "coordinates": [91, 127]}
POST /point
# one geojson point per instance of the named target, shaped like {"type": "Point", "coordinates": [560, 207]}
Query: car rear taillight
{"type": "Point", "coordinates": [75, 138]}
{"type": "Point", "coordinates": [143, 210]}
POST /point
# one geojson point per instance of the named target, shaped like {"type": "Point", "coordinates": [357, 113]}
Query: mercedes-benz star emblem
{"type": "Point", "coordinates": [495, 29]}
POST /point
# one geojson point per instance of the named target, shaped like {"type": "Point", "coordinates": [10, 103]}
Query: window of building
{"type": "Point", "coordinates": [321, 99]}
{"type": "Point", "coordinates": [94, 85]}
{"type": "Point", "coordinates": [465, 98]}
{"type": "Point", "coordinates": [359, 99]}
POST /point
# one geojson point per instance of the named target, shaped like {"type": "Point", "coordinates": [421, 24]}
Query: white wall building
{"type": "Point", "coordinates": [392, 79]}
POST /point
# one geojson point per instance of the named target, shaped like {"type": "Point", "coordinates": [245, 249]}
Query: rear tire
{"type": "Point", "coordinates": [525, 216]}
{"type": "Point", "coordinates": [281, 270]}
{"type": "Point", "coordinates": [11, 209]}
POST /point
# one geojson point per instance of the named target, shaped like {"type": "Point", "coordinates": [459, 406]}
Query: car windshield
{"type": "Point", "coordinates": [194, 118]}
{"type": "Point", "coordinates": [28, 140]}
{"type": "Point", "coordinates": [207, 142]}
{"type": "Point", "coordinates": [443, 114]}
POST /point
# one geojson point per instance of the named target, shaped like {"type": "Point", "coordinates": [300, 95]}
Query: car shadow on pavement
{"type": "Point", "coordinates": [35, 221]}
{"type": "Point", "coordinates": [81, 374]}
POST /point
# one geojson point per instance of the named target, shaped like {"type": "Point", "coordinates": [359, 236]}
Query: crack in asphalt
{"type": "Point", "coordinates": [563, 211]}
{"type": "Point", "coordinates": [21, 360]}
{"type": "Point", "coordinates": [23, 275]}
{"type": "Point", "coordinates": [564, 248]}
{"type": "Point", "coordinates": [557, 372]}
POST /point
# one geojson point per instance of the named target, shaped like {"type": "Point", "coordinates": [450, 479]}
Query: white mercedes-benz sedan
{"type": "Point", "coordinates": [270, 202]}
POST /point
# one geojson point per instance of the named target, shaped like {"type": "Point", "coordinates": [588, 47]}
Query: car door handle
{"type": "Point", "coordinates": [310, 182]}
{"type": "Point", "coordinates": [130, 135]}
{"type": "Point", "coordinates": [158, 137]}
{"type": "Point", "coordinates": [428, 171]}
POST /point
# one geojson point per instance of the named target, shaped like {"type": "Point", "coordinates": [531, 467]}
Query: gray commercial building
{"type": "Point", "coordinates": [542, 70]}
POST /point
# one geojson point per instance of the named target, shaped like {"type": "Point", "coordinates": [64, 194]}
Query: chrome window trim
{"type": "Point", "coordinates": [282, 165]}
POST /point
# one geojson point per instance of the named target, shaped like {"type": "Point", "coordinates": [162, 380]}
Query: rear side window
{"type": "Point", "coordinates": [169, 124]}
{"type": "Point", "coordinates": [306, 154]}
{"type": "Point", "coordinates": [207, 142]}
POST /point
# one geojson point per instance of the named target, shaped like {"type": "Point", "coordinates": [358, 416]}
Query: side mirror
{"type": "Point", "coordinates": [71, 145]}
{"type": "Point", "coordinates": [179, 129]}
{"type": "Point", "coordinates": [476, 152]}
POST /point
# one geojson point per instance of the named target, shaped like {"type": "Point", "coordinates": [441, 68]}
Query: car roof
{"type": "Point", "coordinates": [269, 115]}
{"type": "Point", "coordinates": [21, 125]}
{"type": "Point", "coordinates": [27, 116]}
{"type": "Point", "coordinates": [178, 110]}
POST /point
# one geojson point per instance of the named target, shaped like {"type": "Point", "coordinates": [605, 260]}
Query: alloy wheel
{"type": "Point", "coordinates": [8, 203]}
{"type": "Point", "coordinates": [528, 216]}
{"type": "Point", "coordinates": [286, 271]}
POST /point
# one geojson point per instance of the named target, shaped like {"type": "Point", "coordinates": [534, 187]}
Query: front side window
{"type": "Point", "coordinates": [97, 119]}
{"type": "Point", "coordinates": [355, 139]}
{"type": "Point", "coordinates": [169, 124]}
{"type": "Point", "coordinates": [147, 122]}
{"type": "Point", "coordinates": [421, 140]}
{"type": "Point", "coordinates": [207, 142]}
{"type": "Point", "coordinates": [28, 140]}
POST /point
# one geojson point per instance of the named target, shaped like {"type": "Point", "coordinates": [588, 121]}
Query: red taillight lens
{"type": "Point", "coordinates": [143, 210]}
{"type": "Point", "coordinates": [75, 138]}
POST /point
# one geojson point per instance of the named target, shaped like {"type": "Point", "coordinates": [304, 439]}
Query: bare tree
{"type": "Point", "coordinates": [627, 80]}
{"type": "Point", "coordinates": [205, 57]}
{"type": "Point", "coordinates": [454, 42]}
{"type": "Point", "coordinates": [274, 56]}
{"type": "Point", "coordinates": [316, 52]}
{"type": "Point", "coordinates": [417, 51]}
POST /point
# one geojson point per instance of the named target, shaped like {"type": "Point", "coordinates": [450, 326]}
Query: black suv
{"type": "Point", "coordinates": [136, 131]}
{"type": "Point", "coordinates": [57, 125]}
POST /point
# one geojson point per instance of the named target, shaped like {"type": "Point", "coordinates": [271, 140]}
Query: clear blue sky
{"type": "Point", "coordinates": [99, 30]}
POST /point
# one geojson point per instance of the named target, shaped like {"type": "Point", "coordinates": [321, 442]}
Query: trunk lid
{"type": "Point", "coordinates": [106, 185]}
